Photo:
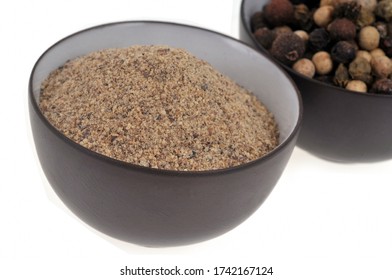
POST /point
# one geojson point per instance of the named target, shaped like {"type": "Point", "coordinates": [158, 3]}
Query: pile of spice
{"type": "Point", "coordinates": [158, 107]}
{"type": "Point", "coordinates": [346, 43]}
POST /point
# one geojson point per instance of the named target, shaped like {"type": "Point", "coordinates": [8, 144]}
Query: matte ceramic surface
{"type": "Point", "coordinates": [153, 207]}
{"type": "Point", "coordinates": [338, 124]}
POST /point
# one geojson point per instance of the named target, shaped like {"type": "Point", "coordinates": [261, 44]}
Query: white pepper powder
{"type": "Point", "coordinates": [159, 107]}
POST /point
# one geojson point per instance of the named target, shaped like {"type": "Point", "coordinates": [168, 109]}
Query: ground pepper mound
{"type": "Point", "coordinates": [159, 107]}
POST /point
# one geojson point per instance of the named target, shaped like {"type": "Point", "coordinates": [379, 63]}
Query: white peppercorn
{"type": "Point", "coordinates": [368, 38]}
{"type": "Point", "coordinates": [381, 66]}
{"type": "Point", "coordinates": [305, 67]}
{"type": "Point", "coordinates": [323, 62]}
{"type": "Point", "coordinates": [326, 3]}
{"type": "Point", "coordinates": [302, 34]}
{"type": "Point", "coordinates": [377, 52]}
{"type": "Point", "coordinates": [356, 85]}
{"type": "Point", "coordinates": [323, 15]}
{"type": "Point", "coordinates": [364, 54]}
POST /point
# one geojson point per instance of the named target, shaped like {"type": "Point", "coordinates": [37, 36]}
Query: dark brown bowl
{"type": "Point", "coordinates": [338, 124]}
{"type": "Point", "coordinates": [152, 207]}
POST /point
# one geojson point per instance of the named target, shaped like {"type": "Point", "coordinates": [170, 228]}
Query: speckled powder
{"type": "Point", "coordinates": [159, 107]}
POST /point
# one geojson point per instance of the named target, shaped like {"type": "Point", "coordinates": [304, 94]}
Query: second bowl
{"type": "Point", "coordinates": [338, 125]}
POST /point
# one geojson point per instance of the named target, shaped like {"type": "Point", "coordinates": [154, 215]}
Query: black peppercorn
{"type": "Point", "coordinates": [382, 28]}
{"type": "Point", "coordinates": [342, 29]}
{"type": "Point", "coordinates": [302, 18]}
{"type": "Point", "coordinates": [265, 37]}
{"type": "Point", "coordinates": [319, 40]}
{"type": "Point", "coordinates": [278, 12]}
{"type": "Point", "coordinates": [386, 45]}
{"type": "Point", "coordinates": [288, 48]}
{"type": "Point", "coordinates": [382, 86]}
{"type": "Point", "coordinates": [348, 10]}
{"type": "Point", "coordinates": [257, 21]}
{"type": "Point", "coordinates": [343, 52]}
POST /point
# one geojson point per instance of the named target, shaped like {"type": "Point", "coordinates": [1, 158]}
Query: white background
{"type": "Point", "coordinates": [323, 220]}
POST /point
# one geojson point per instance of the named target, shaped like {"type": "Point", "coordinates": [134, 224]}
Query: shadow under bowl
{"type": "Point", "coordinates": [153, 207]}
{"type": "Point", "coordinates": [338, 124]}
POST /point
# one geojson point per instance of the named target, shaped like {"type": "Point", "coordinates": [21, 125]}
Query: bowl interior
{"type": "Point", "coordinates": [246, 66]}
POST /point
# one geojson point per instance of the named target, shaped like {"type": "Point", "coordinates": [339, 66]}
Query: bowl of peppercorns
{"type": "Point", "coordinates": [338, 52]}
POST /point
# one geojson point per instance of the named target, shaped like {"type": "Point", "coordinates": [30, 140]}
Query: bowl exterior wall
{"type": "Point", "coordinates": [149, 207]}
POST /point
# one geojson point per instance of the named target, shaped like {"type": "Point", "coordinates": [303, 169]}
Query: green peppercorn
{"type": "Point", "coordinates": [341, 77]}
{"type": "Point", "coordinates": [384, 9]}
{"type": "Point", "coordinates": [360, 69]}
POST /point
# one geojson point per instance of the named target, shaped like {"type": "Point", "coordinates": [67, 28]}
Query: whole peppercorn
{"type": "Point", "coordinates": [322, 62]}
{"type": "Point", "coordinates": [288, 48]}
{"type": "Point", "coordinates": [278, 12]}
{"type": "Point", "coordinates": [367, 4]}
{"type": "Point", "coordinates": [342, 29]}
{"type": "Point", "coordinates": [356, 85]}
{"type": "Point", "coordinates": [326, 2]}
{"type": "Point", "coordinates": [381, 66]}
{"type": "Point", "coordinates": [302, 18]}
{"type": "Point", "coordinates": [384, 9]}
{"type": "Point", "coordinates": [377, 52]}
{"type": "Point", "coordinates": [305, 67]}
{"type": "Point", "coordinates": [323, 16]}
{"type": "Point", "coordinates": [341, 77]}
{"type": "Point", "coordinates": [343, 52]}
{"type": "Point", "coordinates": [360, 69]}
{"type": "Point", "coordinates": [265, 37]}
{"type": "Point", "coordinates": [354, 44]}
{"type": "Point", "coordinates": [282, 29]}
{"type": "Point", "coordinates": [368, 38]}
{"type": "Point", "coordinates": [319, 40]}
{"type": "Point", "coordinates": [386, 46]}
{"type": "Point", "coordinates": [365, 18]}
{"type": "Point", "coordinates": [382, 29]}
{"type": "Point", "coordinates": [348, 10]}
{"type": "Point", "coordinates": [257, 21]}
{"type": "Point", "coordinates": [302, 34]}
{"type": "Point", "coordinates": [364, 54]}
{"type": "Point", "coordinates": [382, 86]}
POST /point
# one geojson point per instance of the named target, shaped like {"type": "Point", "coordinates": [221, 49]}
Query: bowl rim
{"type": "Point", "coordinates": [246, 26]}
{"type": "Point", "coordinates": [169, 172]}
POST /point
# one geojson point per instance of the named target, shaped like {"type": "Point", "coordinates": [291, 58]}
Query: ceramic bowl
{"type": "Point", "coordinates": [338, 124]}
{"type": "Point", "coordinates": [153, 207]}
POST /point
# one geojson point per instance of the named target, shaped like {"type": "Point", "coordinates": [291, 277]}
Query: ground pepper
{"type": "Point", "coordinates": [158, 107]}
